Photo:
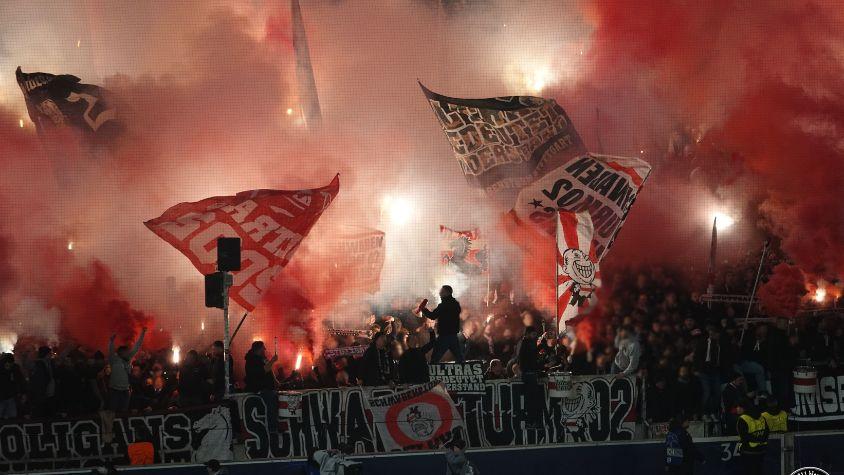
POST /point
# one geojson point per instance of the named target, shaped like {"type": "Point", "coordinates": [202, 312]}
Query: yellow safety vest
{"type": "Point", "coordinates": [756, 430]}
{"type": "Point", "coordinates": [778, 422]}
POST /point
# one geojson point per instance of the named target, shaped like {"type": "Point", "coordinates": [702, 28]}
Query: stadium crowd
{"type": "Point", "coordinates": [690, 355]}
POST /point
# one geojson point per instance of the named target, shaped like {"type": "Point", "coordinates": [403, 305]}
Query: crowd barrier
{"type": "Point", "coordinates": [599, 415]}
{"type": "Point", "coordinates": [583, 458]}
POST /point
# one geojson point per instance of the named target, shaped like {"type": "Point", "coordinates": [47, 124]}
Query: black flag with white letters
{"type": "Point", "coordinates": [505, 143]}
{"type": "Point", "coordinates": [58, 101]}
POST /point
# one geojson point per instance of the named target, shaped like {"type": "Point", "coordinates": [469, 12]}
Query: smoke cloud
{"type": "Point", "coordinates": [748, 96]}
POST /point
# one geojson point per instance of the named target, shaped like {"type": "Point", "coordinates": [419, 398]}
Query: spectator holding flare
{"type": "Point", "coordinates": [118, 381]}
{"type": "Point", "coordinates": [447, 315]}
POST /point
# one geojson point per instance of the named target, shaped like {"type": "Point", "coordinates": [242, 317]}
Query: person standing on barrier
{"type": "Point", "coordinates": [528, 355]}
{"type": "Point", "coordinates": [753, 438]}
{"type": "Point", "coordinates": [118, 381]}
{"type": "Point", "coordinates": [680, 451]}
{"type": "Point", "coordinates": [260, 379]}
{"type": "Point", "coordinates": [447, 315]}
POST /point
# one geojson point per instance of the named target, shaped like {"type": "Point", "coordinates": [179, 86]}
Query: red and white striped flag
{"type": "Point", "coordinates": [578, 273]}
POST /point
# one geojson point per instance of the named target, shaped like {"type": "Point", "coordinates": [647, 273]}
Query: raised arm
{"type": "Point", "coordinates": [111, 344]}
{"type": "Point", "coordinates": [432, 314]}
{"type": "Point", "coordinates": [138, 343]}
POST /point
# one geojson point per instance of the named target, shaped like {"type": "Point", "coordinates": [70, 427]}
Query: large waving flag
{"type": "Point", "coordinates": [505, 143]}
{"type": "Point", "coordinates": [57, 101]}
{"type": "Point", "coordinates": [578, 271]}
{"type": "Point", "coordinates": [270, 223]}
{"type": "Point", "coordinates": [604, 186]}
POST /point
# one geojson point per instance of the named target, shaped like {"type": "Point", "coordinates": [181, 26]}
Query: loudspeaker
{"type": "Point", "coordinates": [228, 254]}
{"type": "Point", "coordinates": [214, 286]}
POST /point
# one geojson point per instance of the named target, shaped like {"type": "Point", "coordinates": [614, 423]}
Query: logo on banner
{"type": "Point", "coordinates": [809, 471]}
{"type": "Point", "coordinates": [578, 274]}
{"type": "Point", "coordinates": [216, 444]}
{"type": "Point", "coordinates": [421, 424]}
{"type": "Point", "coordinates": [603, 186]}
{"type": "Point", "coordinates": [580, 411]}
{"type": "Point", "coordinates": [421, 417]}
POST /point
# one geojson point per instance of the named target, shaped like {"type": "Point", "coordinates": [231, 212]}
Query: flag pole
{"type": "Point", "coordinates": [228, 280]}
{"type": "Point", "coordinates": [237, 328]}
{"type": "Point", "coordinates": [556, 275]}
{"type": "Point", "coordinates": [713, 248]}
{"type": "Point", "coordinates": [753, 292]}
{"type": "Point", "coordinates": [488, 274]}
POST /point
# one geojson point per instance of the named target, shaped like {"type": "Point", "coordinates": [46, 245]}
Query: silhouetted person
{"type": "Point", "coordinates": [260, 379]}
{"type": "Point", "coordinates": [447, 315]}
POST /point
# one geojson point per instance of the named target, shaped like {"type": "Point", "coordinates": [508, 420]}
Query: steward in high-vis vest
{"type": "Point", "coordinates": [776, 418]}
{"type": "Point", "coordinates": [753, 438]}
{"type": "Point", "coordinates": [680, 450]}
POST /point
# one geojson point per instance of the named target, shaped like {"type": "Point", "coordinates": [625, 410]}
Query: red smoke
{"type": "Point", "coordinates": [780, 296]}
{"type": "Point", "coordinates": [204, 95]}
{"type": "Point", "coordinates": [93, 309]}
{"type": "Point", "coordinates": [762, 83]}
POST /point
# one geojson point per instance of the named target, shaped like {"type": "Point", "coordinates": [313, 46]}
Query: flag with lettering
{"type": "Point", "coordinates": [578, 271]}
{"type": "Point", "coordinates": [505, 143]}
{"type": "Point", "coordinates": [421, 417]}
{"type": "Point", "coordinates": [602, 185]}
{"type": "Point", "coordinates": [359, 257]}
{"type": "Point", "coordinates": [59, 101]}
{"type": "Point", "coordinates": [463, 251]}
{"type": "Point", "coordinates": [270, 223]}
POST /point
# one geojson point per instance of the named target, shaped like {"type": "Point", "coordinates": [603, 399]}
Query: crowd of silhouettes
{"type": "Point", "coordinates": [649, 324]}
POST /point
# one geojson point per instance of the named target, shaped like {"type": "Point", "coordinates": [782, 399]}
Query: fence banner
{"type": "Point", "coordinates": [195, 435]}
{"type": "Point", "coordinates": [420, 417]}
{"type": "Point", "coordinates": [466, 378]}
{"type": "Point", "coordinates": [601, 408]}
{"type": "Point", "coordinates": [823, 407]}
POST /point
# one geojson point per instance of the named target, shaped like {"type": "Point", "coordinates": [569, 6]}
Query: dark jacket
{"type": "Point", "coordinates": [413, 367]}
{"type": "Point", "coordinates": [528, 355]}
{"type": "Point", "coordinates": [376, 366]}
{"type": "Point", "coordinates": [447, 315]}
{"type": "Point", "coordinates": [11, 382]}
{"type": "Point", "coordinates": [193, 387]}
{"type": "Point", "coordinates": [716, 356]}
{"type": "Point", "coordinates": [41, 379]}
{"type": "Point", "coordinates": [256, 378]}
{"type": "Point", "coordinates": [680, 450]}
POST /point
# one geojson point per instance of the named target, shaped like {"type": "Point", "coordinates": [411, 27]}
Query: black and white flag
{"type": "Point", "coordinates": [58, 101]}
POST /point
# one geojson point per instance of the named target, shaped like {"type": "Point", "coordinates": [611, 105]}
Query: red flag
{"type": "Point", "coordinates": [270, 223]}
{"type": "Point", "coordinates": [578, 273]}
